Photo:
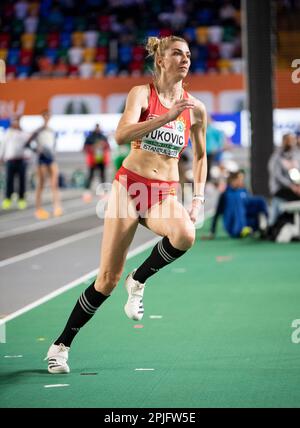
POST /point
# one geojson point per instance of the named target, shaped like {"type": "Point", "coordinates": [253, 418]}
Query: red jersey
{"type": "Point", "coordinates": [171, 138]}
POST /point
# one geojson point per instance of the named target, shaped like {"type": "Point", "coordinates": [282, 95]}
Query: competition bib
{"type": "Point", "coordinates": [167, 140]}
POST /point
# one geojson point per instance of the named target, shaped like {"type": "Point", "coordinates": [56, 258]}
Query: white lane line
{"type": "Point", "coordinates": [49, 247]}
{"type": "Point", "coordinates": [155, 317]}
{"type": "Point", "coordinates": [144, 370]}
{"type": "Point", "coordinates": [13, 356]}
{"type": "Point", "coordinates": [179, 270]}
{"type": "Point", "coordinates": [85, 278]}
{"type": "Point", "coordinates": [47, 223]}
{"type": "Point", "coordinates": [57, 385]}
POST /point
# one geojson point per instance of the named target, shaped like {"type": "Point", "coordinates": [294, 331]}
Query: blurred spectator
{"type": "Point", "coordinates": [242, 213]}
{"type": "Point", "coordinates": [97, 151]}
{"type": "Point", "coordinates": [284, 170]}
{"type": "Point", "coordinates": [12, 152]}
{"type": "Point", "coordinates": [44, 146]}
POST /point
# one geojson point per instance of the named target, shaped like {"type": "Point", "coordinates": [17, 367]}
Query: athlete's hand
{"type": "Point", "coordinates": [196, 211]}
{"type": "Point", "coordinates": [178, 108]}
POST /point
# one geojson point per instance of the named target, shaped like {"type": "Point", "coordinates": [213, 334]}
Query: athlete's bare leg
{"type": "Point", "coordinates": [53, 171]}
{"type": "Point", "coordinates": [171, 219]}
{"type": "Point", "coordinates": [41, 178]}
{"type": "Point", "coordinates": [117, 237]}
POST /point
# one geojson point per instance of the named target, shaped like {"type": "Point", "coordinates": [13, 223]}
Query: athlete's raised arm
{"type": "Point", "coordinates": [129, 128]}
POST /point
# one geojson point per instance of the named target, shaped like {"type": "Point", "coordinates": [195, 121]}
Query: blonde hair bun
{"type": "Point", "coordinates": [152, 45]}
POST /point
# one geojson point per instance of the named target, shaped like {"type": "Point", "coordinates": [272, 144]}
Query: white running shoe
{"type": "Point", "coordinates": [57, 357]}
{"type": "Point", "coordinates": [134, 307]}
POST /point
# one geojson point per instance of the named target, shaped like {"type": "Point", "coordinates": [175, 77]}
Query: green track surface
{"type": "Point", "coordinates": [224, 339]}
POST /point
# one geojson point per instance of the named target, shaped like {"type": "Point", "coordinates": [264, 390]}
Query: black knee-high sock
{"type": "Point", "coordinates": [85, 307]}
{"type": "Point", "coordinates": [162, 254]}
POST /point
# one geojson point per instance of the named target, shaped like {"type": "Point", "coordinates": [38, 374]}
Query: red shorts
{"type": "Point", "coordinates": [145, 191]}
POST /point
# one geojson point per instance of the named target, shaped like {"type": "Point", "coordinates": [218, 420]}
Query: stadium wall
{"type": "Point", "coordinates": [220, 93]}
